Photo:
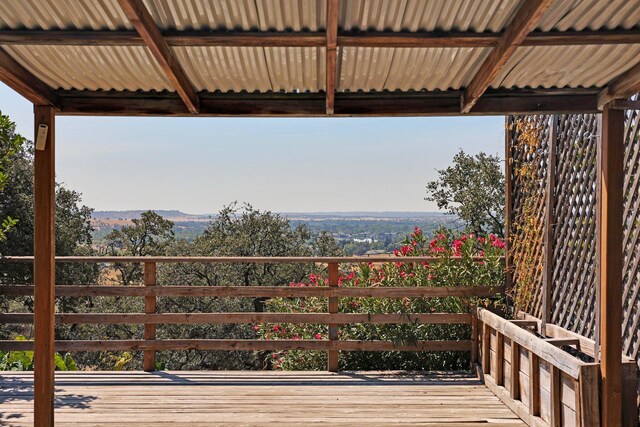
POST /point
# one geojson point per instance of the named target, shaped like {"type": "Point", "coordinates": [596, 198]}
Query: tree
{"type": "Point", "coordinates": [72, 222]}
{"type": "Point", "coordinates": [147, 236]}
{"type": "Point", "coordinates": [473, 189]}
{"type": "Point", "coordinates": [10, 144]}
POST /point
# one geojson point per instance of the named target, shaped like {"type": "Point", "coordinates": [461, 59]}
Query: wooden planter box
{"type": "Point", "coordinates": [540, 381]}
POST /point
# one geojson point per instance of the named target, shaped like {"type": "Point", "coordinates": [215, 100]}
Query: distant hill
{"type": "Point", "coordinates": [176, 214]}
{"type": "Point", "coordinates": [128, 215]}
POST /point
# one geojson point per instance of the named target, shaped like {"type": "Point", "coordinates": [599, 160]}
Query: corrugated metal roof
{"type": "Point", "coordinates": [303, 69]}
{"type": "Point", "coordinates": [62, 15]}
{"type": "Point", "coordinates": [301, 15]}
{"type": "Point", "coordinates": [426, 15]}
{"type": "Point", "coordinates": [92, 67]}
{"type": "Point", "coordinates": [561, 66]}
{"type": "Point", "coordinates": [262, 15]}
{"type": "Point", "coordinates": [590, 15]}
{"type": "Point", "coordinates": [379, 69]}
{"type": "Point", "coordinates": [254, 69]}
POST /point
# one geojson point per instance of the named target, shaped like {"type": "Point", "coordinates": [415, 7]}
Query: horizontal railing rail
{"type": "Point", "coordinates": [150, 291]}
{"type": "Point", "coordinates": [239, 260]}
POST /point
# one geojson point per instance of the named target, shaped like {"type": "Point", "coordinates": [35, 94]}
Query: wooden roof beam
{"type": "Point", "coordinates": [623, 86]}
{"type": "Point", "coordinates": [520, 26]}
{"type": "Point", "coordinates": [146, 27]}
{"type": "Point", "coordinates": [494, 102]}
{"type": "Point", "coordinates": [333, 9]}
{"type": "Point", "coordinates": [24, 82]}
{"type": "Point", "coordinates": [314, 39]}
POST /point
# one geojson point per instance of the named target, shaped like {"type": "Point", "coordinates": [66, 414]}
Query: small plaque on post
{"type": "Point", "coordinates": [41, 138]}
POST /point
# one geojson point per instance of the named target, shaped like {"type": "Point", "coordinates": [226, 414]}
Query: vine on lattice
{"type": "Point", "coordinates": [527, 165]}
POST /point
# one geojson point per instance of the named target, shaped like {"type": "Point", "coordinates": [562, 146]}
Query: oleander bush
{"type": "Point", "coordinates": [459, 260]}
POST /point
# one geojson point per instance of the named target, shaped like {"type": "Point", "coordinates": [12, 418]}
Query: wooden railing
{"type": "Point", "coordinates": [524, 365]}
{"type": "Point", "coordinates": [150, 318]}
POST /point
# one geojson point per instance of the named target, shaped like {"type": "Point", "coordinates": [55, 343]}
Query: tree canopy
{"type": "Point", "coordinates": [473, 189]}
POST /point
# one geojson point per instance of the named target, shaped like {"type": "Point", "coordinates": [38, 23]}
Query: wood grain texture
{"type": "Point", "coordinates": [229, 318]}
{"type": "Point", "coordinates": [44, 269]}
{"type": "Point", "coordinates": [610, 174]}
{"type": "Point", "coordinates": [331, 49]}
{"type": "Point", "coordinates": [260, 399]}
{"type": "Point", "coordinates": [522, 24]}
{"type": "Point", "coordinates": [313, 39]}
{"type": "Point", "coordinates": [18, 78]}
{"type": "Point", "coordinates": [150, 306]}
{"type": "Point", "coordinates": [423, 104]}
{"type": "Point", "coordinates": [259, 291]}
{"type": "Point", "coordinates": [233, 344]}
{"type": "Point", "coordinates": [141, 19]}
{"type": "Point", "coordinates": [334, 306]}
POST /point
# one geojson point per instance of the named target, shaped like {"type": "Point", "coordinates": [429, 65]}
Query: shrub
{"type": "Point", "coordinates": [464, 260]}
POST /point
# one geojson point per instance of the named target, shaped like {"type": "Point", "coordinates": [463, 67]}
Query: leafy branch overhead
{"type": "Point", "coordinates": [473, 189]}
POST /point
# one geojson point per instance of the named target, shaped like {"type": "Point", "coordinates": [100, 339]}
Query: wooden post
{"type": "Point", "coordinates": [534, 384]}
{"type": "Point", "coordinates": [334, 302]}
{"type": "Point", "coordinates": [547, 279]}
{"type": "Point", "coordinates": [555, 398]}
{"type": "Point", "coordinates": [508, 194]}
{"type": "Point", "coordinates": [588, 405]}
{"type": "Point", "coordinates": [474, 336]}
{"type": "Point", "coordinates": [44, 269]}
{"type": "Point", "coordinates": [486, 349]}
{"type": "Point", "coordinates": [611, 174]}
{"type": "Point", "coordinates": [515, 371]}
{"type": "Point", "coordinates": [499, 377]}
{"type": "Point", "coordinates": [149, 363]}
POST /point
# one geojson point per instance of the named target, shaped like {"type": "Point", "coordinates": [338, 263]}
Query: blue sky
{"type": "Point", "coordinates": [197, 165]}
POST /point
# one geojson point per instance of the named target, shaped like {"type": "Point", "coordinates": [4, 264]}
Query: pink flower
{"type": "Point", "coordinates": [256, 328]}
{"type": "Point", "coordinates": [318, 336]}
{"type": "Point", "coordinates": [276, 328]}
{"type": "Point", "coordinates": [417, 231]}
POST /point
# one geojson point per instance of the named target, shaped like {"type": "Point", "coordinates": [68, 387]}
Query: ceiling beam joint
{"type": "Point", "coordinates": [146, 27]}
{"type": "Point", "coordinates": [524, 21]}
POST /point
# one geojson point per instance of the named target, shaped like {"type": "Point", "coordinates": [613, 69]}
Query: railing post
{"type": "Point", "coordinates": [474, 336]}
{"type": "Point", "coordinates": [486, 349]}
{"type": "Point", "coordinates": [149, 363]}
{"type": "Point", "coordinates": [332, 355]}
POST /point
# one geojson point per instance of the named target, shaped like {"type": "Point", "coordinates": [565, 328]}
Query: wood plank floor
{"type": "Point", "coordinates": [258, 398]}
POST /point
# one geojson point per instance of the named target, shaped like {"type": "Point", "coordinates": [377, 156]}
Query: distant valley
{"type": "Point", "coordinates": [357, 232]}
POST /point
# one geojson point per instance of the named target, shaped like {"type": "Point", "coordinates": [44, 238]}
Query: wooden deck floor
{"type": "Point", "coordinates": [257, 398]}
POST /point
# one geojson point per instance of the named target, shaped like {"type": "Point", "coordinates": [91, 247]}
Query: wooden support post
{"type": "Point", "coordinates": [44, 270]}
{"type": "Point", "coordinates": [547, 279]}
{"type": "Point", "coordinates": [474, 336]}
{"type": "Point", "coordinates": [499, 378]}
{"type": "Point", "coordinates": [508, 205]}
{"type": "Point", "coordinates": [149, 363]}
{"type": "Point", "coordinates": [333, 11]}
{"type": "Point", "coordinates": [534, 384]}
{"type": "Point", "coordinates": [486, 348]}
{"type": "Point", "coordinates": [555, 396]}
{"type": "Point", "coordinates": [588, 402]}
{"type": "Point", "coordinates": [515, 371]}
{"type": "Point", "coordinates": [334, 302]}
{"type": "Point", "coordinates": [611, 162]}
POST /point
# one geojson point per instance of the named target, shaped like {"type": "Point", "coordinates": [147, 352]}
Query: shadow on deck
{"type": "Point", "coordinates": [253, 398]}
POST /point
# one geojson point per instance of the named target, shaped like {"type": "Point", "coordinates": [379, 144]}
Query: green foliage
{"type": "Point", "coordinates": [473, 189]}
{"type": "Point", "coordinates": [10, 145]}
{"type": "Point", "coordinates": [23, 360]}
{"type": "Point", "coordinates": [466, 271]}
{"type": "Point", "coordinates": [148, 235]}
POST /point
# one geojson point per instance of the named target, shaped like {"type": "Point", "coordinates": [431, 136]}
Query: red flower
{"type": "Point", "coordinates": [318, 336]}
{"type": "Point", "coordinates": [256, 328]}
{"type": "Point", "coordinates": [276, 328]}
{"type": "Point", "coordinates": [417, 231]}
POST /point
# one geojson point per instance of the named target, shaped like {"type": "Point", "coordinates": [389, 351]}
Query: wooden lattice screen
{"type": "Point", "coordinates": [572, 140]}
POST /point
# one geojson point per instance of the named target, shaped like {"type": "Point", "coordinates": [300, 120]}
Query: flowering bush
{"type": "Point", "coordinates": [465, 260]}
